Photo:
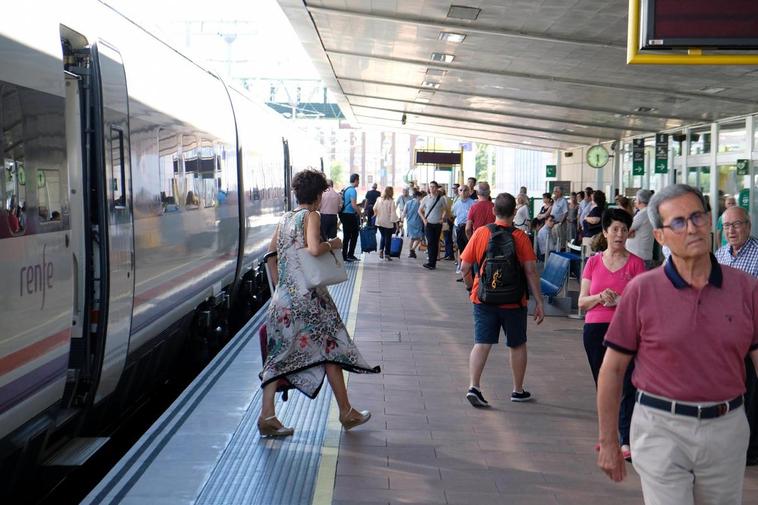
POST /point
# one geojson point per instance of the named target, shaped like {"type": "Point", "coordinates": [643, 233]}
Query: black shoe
{"type": "Point", "coordinates": [348, 260]}
{"type": "Point", "coordinates": [523, 396]}
{"type": "Point", "coordinates": [448, 258]}
{"type": "Point", "coordinates": [428, 266]}
{"type": "Point", "coordinates": [752, 460]}
{"type": "Point", "coordinates": [460, 279]}
{"type": "Point", "coordinates": [476, 399]}
{"type": "Point", "coordinates": [412, 254]}
{"type": "Point", "coordinates": [353, 258]}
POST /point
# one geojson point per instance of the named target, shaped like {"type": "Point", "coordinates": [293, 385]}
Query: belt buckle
{"type": "Point", "coordinates": [723, 408]}
{"type": "Point", "coordinates": [699, 411]}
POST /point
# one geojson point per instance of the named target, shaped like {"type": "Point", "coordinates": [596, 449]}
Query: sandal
{"type": "Point", "coordinates": [354, 418]}
{"type": "Point", "coordinates": [272, 427]}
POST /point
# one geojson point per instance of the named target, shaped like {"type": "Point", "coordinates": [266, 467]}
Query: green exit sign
{"type": "Point", "coordinates": [551, 170]}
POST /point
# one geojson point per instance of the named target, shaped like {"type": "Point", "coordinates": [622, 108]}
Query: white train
{"type": "Point", "coordinates": [138, 193]}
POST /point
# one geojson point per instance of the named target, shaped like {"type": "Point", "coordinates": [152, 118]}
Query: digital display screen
{"type": "Point", "coordinates": [700, 24]}
{"type": "Point", "coordinates": [437, 158]}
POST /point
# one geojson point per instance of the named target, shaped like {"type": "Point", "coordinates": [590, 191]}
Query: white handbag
{"type": "Point", "coordinates": [322, 270]}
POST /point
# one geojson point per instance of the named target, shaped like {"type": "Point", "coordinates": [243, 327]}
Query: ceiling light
{"type": "Point", "coordinates": [455, 38]}
{"type": "Point", "coordinates": [712, 90]}
{"type": "Point", "coordinates": [644, 109]}
{"type": "Point", "coordinates": [430, 84]}
{"type": "Point", "coordinates": [569, 130]}
{"type": "Point", "coordinates": [435, 72]}
{"type": "Point", "coordinates": [463, 12]}
{"type": "Point", "coordinates": [443, 57]}
{"type": "Point", "coordinates": [422, 100]}
{"type": "Point", "coordinates": [525, 142]}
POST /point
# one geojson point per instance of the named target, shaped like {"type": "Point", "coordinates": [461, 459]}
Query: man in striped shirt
{"type": "Point", "coordinates": [741, 252]}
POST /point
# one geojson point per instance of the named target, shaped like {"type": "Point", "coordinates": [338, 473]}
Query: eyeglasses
{"type": "Point", "coordinates": [736, 225]}
{"type": "Point", "coordinates": [679, 224]}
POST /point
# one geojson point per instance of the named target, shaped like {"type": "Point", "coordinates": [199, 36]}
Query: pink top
{"type": "Point", "coordinates": [689, 344]}
{"type": "Point", "coordinates": [330, 202]}
{"type": "Point", "coordinates": [601, 278]}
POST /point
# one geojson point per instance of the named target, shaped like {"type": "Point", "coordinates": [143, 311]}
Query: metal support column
{"type": "Point", "coordinates": [714, 179]}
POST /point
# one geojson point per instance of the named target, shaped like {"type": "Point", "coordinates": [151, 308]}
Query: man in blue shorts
{"type": "Point", "coordinates": [489, 319]}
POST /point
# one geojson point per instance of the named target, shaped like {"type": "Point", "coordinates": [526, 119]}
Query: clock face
{"type": "Point", "coordinates": [597, 156]}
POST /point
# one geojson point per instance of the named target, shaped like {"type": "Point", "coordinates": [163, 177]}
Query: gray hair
{"type": "Point", "coordinates": [643, 196]}
{"type": "Point", "coordinates": [330, 183]}
{"type": "Point", "coordinates": [483, 188]}
{"type": "Point", "coordinates": [744, 214]}
{"type": "Point", "coordinates": [669, 193]}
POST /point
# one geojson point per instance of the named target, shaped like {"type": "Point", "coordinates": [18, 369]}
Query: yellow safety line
{"type": "Point", "coordinates": [694, 56]}
{"type": "Point", "coordinates": [327, 468]}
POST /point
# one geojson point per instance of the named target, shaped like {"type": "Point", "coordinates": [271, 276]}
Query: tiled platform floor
{"type": "Point", "coordinates": [426, 444]}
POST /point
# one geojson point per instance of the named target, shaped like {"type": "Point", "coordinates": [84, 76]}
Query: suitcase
{"type": "Point", "coordinates": [368, 238]}
{"type": "Point", "coordinates": [396, 246]}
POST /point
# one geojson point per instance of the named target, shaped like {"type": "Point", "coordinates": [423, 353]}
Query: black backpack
{"type": "Point", "coordinates": [501, 278]}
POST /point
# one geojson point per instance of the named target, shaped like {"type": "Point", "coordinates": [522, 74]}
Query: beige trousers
{"type": "Point", "coordinates": [685, 461]}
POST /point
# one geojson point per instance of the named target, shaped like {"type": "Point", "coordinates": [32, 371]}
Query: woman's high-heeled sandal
{"type": "Point", "coordinates": [349, 421]}
{"type": "Point", "coordinates": [272, 427]}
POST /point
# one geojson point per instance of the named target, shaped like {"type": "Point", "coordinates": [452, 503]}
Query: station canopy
{"type": "Point", "coordinates": [538, 74]}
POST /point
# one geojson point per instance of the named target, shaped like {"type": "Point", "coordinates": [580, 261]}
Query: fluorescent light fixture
{"type": "Point", "coordinates": [712, 90]}
{"type": "Point", "coordinates": [422, 100]}
{"type": "Point", "coordinates": [435, 72]}
{"type": "Point", "coordinates": [430, 84]}
{"type": "Point", "coordinates": [644, 109]}
{"type": "Point", "coordinates": [463, 12]}
{"type": "Point", "coordinates": [443, 57]}
{"type": "Point", "coordinates": [455, 38]}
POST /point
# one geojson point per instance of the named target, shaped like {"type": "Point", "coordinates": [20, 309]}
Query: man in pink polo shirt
{"type": "Point", "coordinates": [688, 326]}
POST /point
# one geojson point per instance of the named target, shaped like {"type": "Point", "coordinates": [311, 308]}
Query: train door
{"type": "Point", "coordinates": [119, 220]}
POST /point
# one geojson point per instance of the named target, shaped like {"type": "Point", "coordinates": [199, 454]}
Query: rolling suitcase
{"type": "Point", "coordinates": [368, 238]}
{"type": "Point", "coordinates": [396, 246]}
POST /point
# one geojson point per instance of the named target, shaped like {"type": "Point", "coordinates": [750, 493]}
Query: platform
{"type": "Point", "coordinates": [424, 444]}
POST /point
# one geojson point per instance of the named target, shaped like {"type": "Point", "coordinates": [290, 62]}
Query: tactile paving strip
{"type": "Point", "coordinates": [277, 472]}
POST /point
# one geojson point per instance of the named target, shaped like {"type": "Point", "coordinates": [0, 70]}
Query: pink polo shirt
{"type": "Point", "coordinates": [689, 345]}
{"type": "Point", "coordinates": [330, 202]}
{"type": "Point", "coordinates": [601, 279]}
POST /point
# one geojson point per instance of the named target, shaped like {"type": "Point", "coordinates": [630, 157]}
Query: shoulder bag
{"type": "Point", "coordinates": [322, 270]}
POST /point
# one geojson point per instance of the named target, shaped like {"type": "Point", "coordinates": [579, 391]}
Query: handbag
{"type": "Point", "coordinates": [323, 270]}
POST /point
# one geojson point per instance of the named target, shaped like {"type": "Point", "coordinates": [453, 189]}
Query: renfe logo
{"type": "Point", "coordinates": [34, 279]}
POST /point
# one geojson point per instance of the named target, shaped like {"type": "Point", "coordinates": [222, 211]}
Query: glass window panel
{"type": "Point", "coordinates": [732, 137]}
{"type": "Point", "coordinates": [700, 141]}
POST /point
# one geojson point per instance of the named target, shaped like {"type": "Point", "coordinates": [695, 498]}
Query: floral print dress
{"type": "Point", "coordinates": [305, 330]}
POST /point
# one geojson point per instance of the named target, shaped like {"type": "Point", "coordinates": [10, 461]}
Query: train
{"type": "Point", "coordinates": [139, 193]}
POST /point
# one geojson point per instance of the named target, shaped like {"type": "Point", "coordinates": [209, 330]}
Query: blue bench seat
{"type": "Point", "coordinates": [555, 274]}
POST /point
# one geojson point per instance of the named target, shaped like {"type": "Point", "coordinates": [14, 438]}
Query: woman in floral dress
{"type": "Point", "coordinates": [306, 336]}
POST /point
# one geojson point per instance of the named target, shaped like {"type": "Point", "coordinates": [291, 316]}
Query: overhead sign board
{"type": "Point", "coordinates": [638, 157]}
{"type": "Point", "coordinates": [550, 170]}
{"type": "Point", "coordinates": [743, 167]}
{"type": "Point", "coordinates": [661, 153]}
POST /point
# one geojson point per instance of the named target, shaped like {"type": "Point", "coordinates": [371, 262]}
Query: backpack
{"type": "Point", "coordinates": [342, 200]}
{"type": "Point", "coordinates": [501, 278]}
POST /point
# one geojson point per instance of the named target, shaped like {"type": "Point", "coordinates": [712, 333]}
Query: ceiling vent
{"type": "Point", "coordinates": [463, 12]}
{"type": "Point", "coordinates": [430, 84]}
{"type": "Point", "coordinates": [644, 109]}
{"type": "Point", "coordinates": [435, 72]}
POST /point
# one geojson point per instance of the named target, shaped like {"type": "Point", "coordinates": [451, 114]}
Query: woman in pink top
{"type": "Point", "coordinates": [605, 276]}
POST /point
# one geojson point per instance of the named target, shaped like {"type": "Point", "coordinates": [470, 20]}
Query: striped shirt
{"type": "Point", "coordinates": [746, 259]}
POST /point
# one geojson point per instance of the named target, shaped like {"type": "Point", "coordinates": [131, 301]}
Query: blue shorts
{"type": "Point", "coordinates": [488, 319]}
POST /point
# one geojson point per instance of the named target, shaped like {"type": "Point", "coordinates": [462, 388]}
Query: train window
{"type": "Point", "coordinates": [191, 162]}
{"type": "Point", "coordinates": [205, 181]}
{"type": "Point", "coordinates": [13, 216]}
{"type": "Point", "coordinates": [118, 172]}
{"type": "Point", "coordinates": [48, 195]}
{"type": "Point", "coordinates": [168, 170]}
{"type": "Point", "coordinates": [14, 195]}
